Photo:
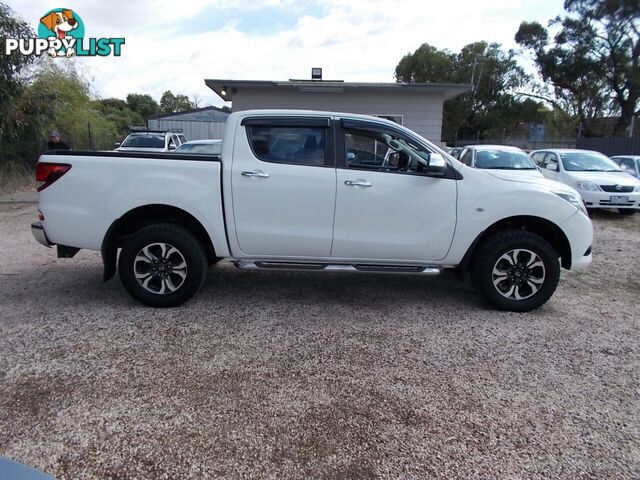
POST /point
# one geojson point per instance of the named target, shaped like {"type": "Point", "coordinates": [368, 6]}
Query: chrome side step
{"type": "Point", "coordinates": [327, 267]}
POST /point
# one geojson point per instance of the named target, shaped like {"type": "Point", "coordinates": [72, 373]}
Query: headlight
{"type": "Point", "coordinates": [637, 189]}
{"type": "Point", "coordinates": [573, 200]}
{"type": "Point", "coordinates": [588, 186]}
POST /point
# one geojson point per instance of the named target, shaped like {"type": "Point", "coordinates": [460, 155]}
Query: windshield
{"type": "Point", "coordinates": [587, 162]}
{"type": "Point", "coordinates": [204, 148]}
{"type": "Point", "coordinates": [144, 141]}
{"type": "Point", "coordinates": [504, 160]}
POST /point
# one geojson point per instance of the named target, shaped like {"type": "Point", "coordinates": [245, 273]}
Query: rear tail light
{"type": "Point", "coordinates": [49, 173]}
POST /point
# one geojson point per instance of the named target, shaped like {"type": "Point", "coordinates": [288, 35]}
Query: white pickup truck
{"type": "Point", "coordinates": [312, 191]}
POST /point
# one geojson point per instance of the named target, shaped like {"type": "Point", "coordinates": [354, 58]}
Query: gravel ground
{"type": "Point", "coordinates": [292, 375]}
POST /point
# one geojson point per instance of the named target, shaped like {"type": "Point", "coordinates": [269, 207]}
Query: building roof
{"type": "Point", "coordinates": [223, 110]}
{"type": "Point", "coordinates": [226, 88]}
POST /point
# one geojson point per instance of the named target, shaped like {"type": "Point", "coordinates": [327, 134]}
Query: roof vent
{"type": "Point", "coordinates": [316, 73]}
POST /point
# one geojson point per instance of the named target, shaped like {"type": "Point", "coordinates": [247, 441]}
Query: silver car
{"type": "Point", "coordinates": [499, 157]}
{"type": "Point", "coordinates": [629, 163]}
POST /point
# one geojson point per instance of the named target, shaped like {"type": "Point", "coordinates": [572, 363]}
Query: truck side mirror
{"type": "Point", "coordinates": [437, 165]}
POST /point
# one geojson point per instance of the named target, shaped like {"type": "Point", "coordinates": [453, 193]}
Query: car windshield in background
{"type": "Point", "coordinates": [587, 162]}
{"type": "Point", "coordinates": [144, 141]}
{"type": "Point", "coordinates": [203, 148]}
{"type": "Point", "coordinates": [503, 160]}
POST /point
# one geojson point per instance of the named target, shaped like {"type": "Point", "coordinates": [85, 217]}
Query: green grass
{"type": "Point", "coordinates": [16, 177]}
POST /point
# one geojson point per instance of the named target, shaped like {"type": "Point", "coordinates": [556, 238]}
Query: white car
{"type": "Point", "coordinates": [629, 163]}
{"type": "Point", "coordinates": [151, 141]}
{"type": "Point", "coordinates": [599, 180]}
{"type": "Point", "coordinates": [499, 157]}
{"type": "Point", "coordinates": [311, 191]}
{"type": "Point", "coordinates": [203, 147]}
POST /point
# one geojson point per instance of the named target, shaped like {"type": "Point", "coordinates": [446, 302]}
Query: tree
{"type": "Point", "coordinates": [491, 106]}
{"type": "Point", "coordinates": [63, 99]}
{"type": "Point", "coordinates": [118, 113]}
{"type": "Point", "coordinates": [11, 26]}
{"type": "Point", "coordinates": [426, 64]}
{"type": "Point", "coordinates": [144, 105]}
{"type": "Point", "coordinates": [14, 121]}
{"type": "Point", "coordinates": [592, 60]}
{"type": "Point", "coordinates": [170, 103]}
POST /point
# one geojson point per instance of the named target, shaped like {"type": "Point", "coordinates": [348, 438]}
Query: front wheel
{"type": "Point", "coordinates": [515, 270]}
{"type": "Point", "coordinates": [163, 265]}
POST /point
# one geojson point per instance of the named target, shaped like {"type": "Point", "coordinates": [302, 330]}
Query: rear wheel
{"type": "Point", "coordinates": [162, 265]}
{"type": "Point", "coordinates": [626, 211]}
{"type": "Point", "coordinates": [515, 270]}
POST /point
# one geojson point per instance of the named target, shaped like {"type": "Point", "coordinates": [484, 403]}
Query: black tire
{"type": "Point", "coordinates": [495, 247]}
{"type": "Point", "coordinates": [190, 252]}
{"type": "Point", "coordinates": [626, 211]}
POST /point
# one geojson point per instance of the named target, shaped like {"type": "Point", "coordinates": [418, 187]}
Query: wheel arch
{"type": "Point", "coordinates": [542, 227]}
{"type": "Point", "coordinates": [135, 219]}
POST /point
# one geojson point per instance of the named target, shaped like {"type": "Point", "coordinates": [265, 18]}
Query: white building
{"type": "Point", "coordinates": [417, 106]}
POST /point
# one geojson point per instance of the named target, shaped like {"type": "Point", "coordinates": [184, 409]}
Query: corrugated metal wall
{"type": "Point", "coordinates": [611, 145]}
{"type": "Point", "coordinates": [193, 130]}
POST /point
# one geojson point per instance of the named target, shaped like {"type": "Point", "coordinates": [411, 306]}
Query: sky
{"type": "Point", "coordinates": [177, 44]}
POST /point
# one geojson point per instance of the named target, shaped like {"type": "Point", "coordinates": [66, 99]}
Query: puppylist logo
{"type": "Point", "coordinates": [61, 33]}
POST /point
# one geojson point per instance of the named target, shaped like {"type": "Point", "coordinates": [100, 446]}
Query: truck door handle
{"type": "Point", "coordinates": [256, 173]}
{"type": "Point", "coordinates": [357, 183]}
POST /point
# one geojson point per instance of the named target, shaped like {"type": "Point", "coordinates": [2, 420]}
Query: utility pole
{"type": "Point", "coordinates": [89, 131]}
{"type": "Point", "coordinates": [473, 73]}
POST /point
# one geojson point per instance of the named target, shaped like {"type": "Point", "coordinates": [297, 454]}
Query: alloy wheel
{"type": "Point", "coordinates": [160, 268]}
{"type": "Point", "coordinates": [518, 274]}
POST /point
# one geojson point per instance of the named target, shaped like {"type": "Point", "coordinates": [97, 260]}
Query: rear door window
{"type": "Point", "coordinates": [292, 145]}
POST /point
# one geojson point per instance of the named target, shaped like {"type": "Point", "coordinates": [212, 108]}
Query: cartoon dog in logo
{"type": "Point", "coordinates": [60, 23]}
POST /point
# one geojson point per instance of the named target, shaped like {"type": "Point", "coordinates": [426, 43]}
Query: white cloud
{"type": "Point", "coordinates": [358, 40]}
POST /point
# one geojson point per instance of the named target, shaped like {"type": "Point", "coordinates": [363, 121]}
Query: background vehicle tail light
{"type": "Point", "coordinates": [49, 173]}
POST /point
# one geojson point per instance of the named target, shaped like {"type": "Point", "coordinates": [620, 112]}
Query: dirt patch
{"type": "Point", "coordinates": [295, 375]}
